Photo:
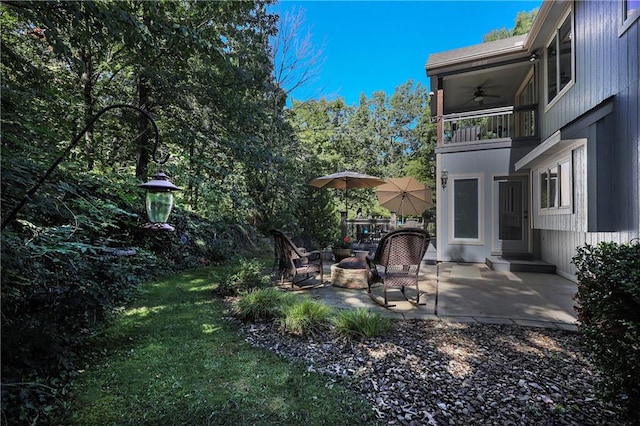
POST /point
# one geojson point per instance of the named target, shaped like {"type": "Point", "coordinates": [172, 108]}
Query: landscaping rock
{"type": "Point", "coordinates": [437, 373]}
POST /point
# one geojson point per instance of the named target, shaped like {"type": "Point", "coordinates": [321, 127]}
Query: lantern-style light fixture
{"type": "Point", "coordinates": [444, 177]}
{"type": "Point", "coordinates": [159, 201]}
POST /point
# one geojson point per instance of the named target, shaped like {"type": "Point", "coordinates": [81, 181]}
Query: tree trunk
{"type": "Point", "coordinates": [144, 91]}
{"type": "Point", "coordinates": [142, 142]}
{"type": "Point", "coordinates": [87, 92]}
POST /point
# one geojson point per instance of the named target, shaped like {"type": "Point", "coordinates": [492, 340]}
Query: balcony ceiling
{"type": "Point", "coordinates": [503, 81]}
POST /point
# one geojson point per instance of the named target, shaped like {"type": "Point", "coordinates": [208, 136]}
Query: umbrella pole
{"type": "Point", "coordinates": [346, 196]}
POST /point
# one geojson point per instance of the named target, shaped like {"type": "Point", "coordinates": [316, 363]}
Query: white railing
{"type": "Point", "coordinates": [489, 124]}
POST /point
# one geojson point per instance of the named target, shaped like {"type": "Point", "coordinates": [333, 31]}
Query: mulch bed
{"type": "Point", "coordinates": [446, 373]}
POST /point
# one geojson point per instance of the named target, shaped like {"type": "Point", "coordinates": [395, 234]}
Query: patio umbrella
{"type": "Point", "coordinates": [405, 195]}
{"type": "Point", "coordinates": [346, 180]}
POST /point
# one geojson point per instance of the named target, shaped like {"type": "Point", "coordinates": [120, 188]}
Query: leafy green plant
{"type": "Point", "coordinates": [262, 303]}
{"type": "Point", "coordinates": [342, 243]}
{"type": "Point", "coordinates": [250, 274]}
{"type": "Point", "coordinates": [306, 317]}
{"type": "Point", "coordinates": [171, 358]}
{"type": "Point", "coordinates": [62, 277]}
{"type": "Point", "coordinates": [360, 322]}
{"type": "Point", "coordinates": [609, 315]}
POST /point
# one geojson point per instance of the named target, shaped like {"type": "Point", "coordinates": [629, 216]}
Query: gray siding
{"type": "Point", "coordinates": [606, 169]}
{"type": "Point", "coordinates": [597, 117]}
{"type": "Point", "coordinates": [559, 247]}
{"type": "Point", "coordinates": [606, 65]}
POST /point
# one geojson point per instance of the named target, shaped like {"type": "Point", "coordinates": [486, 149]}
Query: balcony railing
{"type": "Point", "coordinates": [490, 124]}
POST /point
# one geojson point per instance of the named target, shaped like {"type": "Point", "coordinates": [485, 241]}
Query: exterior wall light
{"type": "Point", "coordinates": [444, 177]}
{"type": "Point", "coordinates": [159, 199]}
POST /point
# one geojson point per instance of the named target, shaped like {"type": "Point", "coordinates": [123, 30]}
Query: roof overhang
{"type": "Point", "coordinates": [473, 56]}
{"type": "Point", "coordinates": [485, 53]}
{"type": "Point", "coordinates": [546, 150]}
{"type": "Point", "coordinates": [499, 66]}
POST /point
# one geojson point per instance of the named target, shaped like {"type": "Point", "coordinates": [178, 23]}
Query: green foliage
{"type": "Point", "coordinates": [250, 275]}
{"type": "Point", "coordinates": [262, 303]}
{"type": "Point", "coordinates": [66, 269]}
{"type": "Point", "coordinates": [522, 25]}
{"type": "Point", "coordinates": [307, 317]}
{"type": "Point", "coordinates": [609, 315]}
{"type": "Point", "coordinates": [243, 160]}
{"type": "Point", "coordinates": [360, 322]}
{"type": "Point", "coordinates": [342, 243]}
{"type": "Point", "coordinates": [172, 358]}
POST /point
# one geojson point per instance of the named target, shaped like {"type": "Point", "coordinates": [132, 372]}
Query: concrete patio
{"type": "Point", "coordinates": [469, 292]}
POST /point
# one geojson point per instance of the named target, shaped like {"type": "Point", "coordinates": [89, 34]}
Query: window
{"type": "Point", "coordinates": [559, 62]}
{"type": "Point", "coordinates": [631, 7]}
{"type": "Point", "coordinates": [630, 13]}
{"type": "Point", "coordinates": [466, 209]}
{"type": "Point", "coordinates": [555, 186]}
{"type": "Point", "coordinates": [565, 184]}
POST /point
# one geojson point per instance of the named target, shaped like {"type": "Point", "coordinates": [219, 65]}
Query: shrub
{"type": "Point", "coordinates": [64, 272]}
{"type": "Point", "coordinates": [306, 317]}
{"type": "Point", "coordinates": [263, 303]}
{"type": "Point", "coordinates": [360, 323]}
{"type": "Point", "coordinates": [250, 275]}
{"type": "Point", "coordinates": [609, 315]}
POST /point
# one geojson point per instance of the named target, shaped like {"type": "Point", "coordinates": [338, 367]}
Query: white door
{"type": "Point", "coordinates": [510, 215]}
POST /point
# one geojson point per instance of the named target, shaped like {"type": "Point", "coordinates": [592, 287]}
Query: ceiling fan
{"type": "Point", "coordinates": [479, 95]}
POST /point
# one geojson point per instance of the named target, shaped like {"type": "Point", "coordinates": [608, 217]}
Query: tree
{"type": "Point", "coordinates": [523, 23]}
{"type": "Point", "coordinates": [295, 58]}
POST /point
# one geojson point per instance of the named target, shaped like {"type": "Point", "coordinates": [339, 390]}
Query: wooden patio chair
{"type": "Point", "coordinates": [397, 261]}
{"type": "Point", "coordinates": [294, 261]}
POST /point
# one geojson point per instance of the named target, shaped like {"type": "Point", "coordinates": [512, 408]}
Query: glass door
{"type": "Point", "coordinates": [510, 216]}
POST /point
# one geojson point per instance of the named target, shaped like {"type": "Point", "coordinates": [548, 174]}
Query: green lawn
{"type": "Point", "coordinates": [172, 358]}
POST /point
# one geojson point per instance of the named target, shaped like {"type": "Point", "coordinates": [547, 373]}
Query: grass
{"type": "Point", "coordinates": [360, 323]}
{"type": "Point", "coordinates": [263, 303]}
{"type": "Point", "coordinates": [306, 317]}
{"type": "Point", "coordinates": [172, 358]}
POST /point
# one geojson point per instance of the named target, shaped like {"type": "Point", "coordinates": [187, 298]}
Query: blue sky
{"type": "Point", "coordinates": [378, 45]}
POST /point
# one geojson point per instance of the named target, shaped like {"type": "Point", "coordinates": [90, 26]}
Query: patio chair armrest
{"type": "Point", "coordinates": [312, 255]}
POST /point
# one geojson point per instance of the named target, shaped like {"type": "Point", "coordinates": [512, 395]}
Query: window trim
{"type": "Point", "coordinates": [479, 177]}
{"type": "Point", "coordinates": [546, 168]}
{"type": "Point", "coordinates": [550, 103]}
{"type": "Point", "coordinates": [627, 22]}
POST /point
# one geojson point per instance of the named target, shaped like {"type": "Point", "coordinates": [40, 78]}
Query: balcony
{"type": "Point", "coordinates": [503, 123]}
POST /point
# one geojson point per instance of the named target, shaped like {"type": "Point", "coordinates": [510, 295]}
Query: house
{"type": "Point", "coordinates": [538, 142]}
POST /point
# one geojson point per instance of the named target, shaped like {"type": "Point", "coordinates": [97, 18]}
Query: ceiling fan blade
{"type": "Point", "coordinates": [470, 99]}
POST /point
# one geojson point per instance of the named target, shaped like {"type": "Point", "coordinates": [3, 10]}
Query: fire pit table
{"type": "Point", "coordinates": [350, 273]}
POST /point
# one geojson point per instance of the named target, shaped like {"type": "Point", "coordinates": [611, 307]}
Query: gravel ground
{"type": "Point", "coordinates": [445, 373]}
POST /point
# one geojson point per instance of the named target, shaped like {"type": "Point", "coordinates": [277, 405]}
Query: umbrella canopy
{"type": "Point", "coordinates": [405, 195]}
{"type": "Point", "coordinates": [346, 180]}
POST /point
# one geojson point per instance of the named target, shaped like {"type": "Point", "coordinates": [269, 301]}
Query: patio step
{"type": "Point", "coordinates": [431, 256]}
{"type": "Point", "coordinates": [499, 263]}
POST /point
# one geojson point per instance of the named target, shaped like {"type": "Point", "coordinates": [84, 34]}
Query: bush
{"type": "Point", "coordinates": [609, 315]}
{"type": "Point", "coordinates": [264, 303]}
{"type": "Point", "coordinates": [360, 323]}
{"type": "Point", "coordinates": [65, 270]}
{"type": "Point", "coordinates": [306, 317]}
{"type": "Point", "coordinates": [250, 275]}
